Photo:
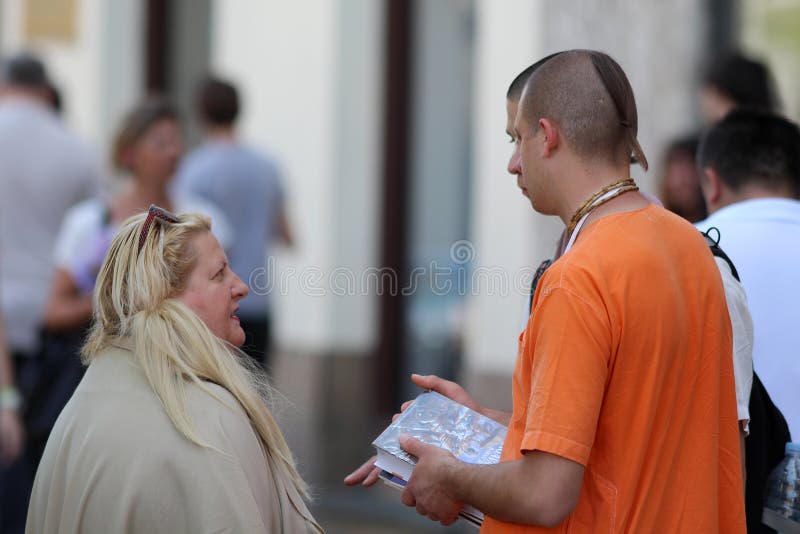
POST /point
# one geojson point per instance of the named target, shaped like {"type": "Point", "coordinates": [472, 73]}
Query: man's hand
{"type": "Point", "coordinates": [12, 436]}
{"type": "Point", "coordinates": [427, 490]}
{"type": "Point", "coordinates": [449, 389]}
{"type": "Point", "coordinates": [455, 392]}
{"type": "Point", "coordinates": [367, 474]}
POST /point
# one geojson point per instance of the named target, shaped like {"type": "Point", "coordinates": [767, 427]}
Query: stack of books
{"type": "Point", "coordinates": [437, 420]}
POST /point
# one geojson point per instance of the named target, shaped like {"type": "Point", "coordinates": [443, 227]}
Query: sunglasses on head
{"type": "Point", "coordinates": [153, 213]}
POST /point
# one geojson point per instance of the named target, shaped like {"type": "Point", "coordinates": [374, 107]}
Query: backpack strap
{"type": "Point", "coordinates": [535, 282]}
{"type": "Point", "coordinates": [717, 251]}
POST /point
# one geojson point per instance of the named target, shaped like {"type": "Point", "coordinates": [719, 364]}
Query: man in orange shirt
{"type": "Point", "coordinates": [624, 414]}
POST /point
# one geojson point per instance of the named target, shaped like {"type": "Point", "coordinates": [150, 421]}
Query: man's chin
{"type": "Point", "coordinates": [539, 208]}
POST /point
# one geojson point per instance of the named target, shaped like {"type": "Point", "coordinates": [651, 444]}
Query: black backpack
{"type": "Point", "coordinates": [769, 433]}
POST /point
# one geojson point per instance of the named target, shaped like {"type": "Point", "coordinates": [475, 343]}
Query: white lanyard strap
{"type": "Point", "coordinates": [597, 202]}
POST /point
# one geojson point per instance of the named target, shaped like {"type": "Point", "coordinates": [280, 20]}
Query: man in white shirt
{"type": "Point", "coordinates": [750, 164]}
{"type": "Point", "coordinates": [248, 187]}
{"type": "Point", "coordinates": [44, 169]}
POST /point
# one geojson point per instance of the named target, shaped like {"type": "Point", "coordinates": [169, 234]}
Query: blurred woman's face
{"type": "Point", "coordinates": [213, 291]}
{"type": "Point", "coordinates": [714, 105]}
{"type": "Point", "coordinates": [682, 192]}
{"type": "Point", "coordinates": [155, 156]}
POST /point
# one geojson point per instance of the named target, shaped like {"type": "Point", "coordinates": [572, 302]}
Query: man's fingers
{"type": "Point", "coordinates": [372, 478]}
{"type": "Point", "coordinates": [405, 405]}
{"type": "Point", "coordinates": [362, 473]}
{"type": "Point", "coordinates": [408, 499]}
{"type": "Point", "coordinates": [421, 509]}
{"type": "Point", "coordinates": [427, 381]}
{"type": "Point", "coordinates": [446, 522]}
{"type": "Point", "coordinates": [412, 445]}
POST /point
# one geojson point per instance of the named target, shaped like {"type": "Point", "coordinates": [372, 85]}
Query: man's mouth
{"type": "Point", "coordinates": [233, 315]}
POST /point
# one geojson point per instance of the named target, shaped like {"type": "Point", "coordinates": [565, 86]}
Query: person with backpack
{"type": "Point", "coordinates": [750, 164]}
{"type": "Point", "coordinates": [593, 435]}
{"type": "Point", "coordinates": [750, 176]}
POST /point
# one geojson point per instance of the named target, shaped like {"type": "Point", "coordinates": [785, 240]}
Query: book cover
{"type": "Point", "coordinates": [436, 420]}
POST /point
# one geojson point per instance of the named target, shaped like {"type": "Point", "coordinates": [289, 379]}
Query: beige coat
{"type": "Point", "coordinates": [115, 464]}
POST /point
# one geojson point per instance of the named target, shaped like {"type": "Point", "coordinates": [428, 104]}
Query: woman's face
{"type": "Point", "coordinates": [155, 156]}
{"type": "Point", "coordinates": [213, 291]}
{"type": "Point", "coordinates": [714, 104]}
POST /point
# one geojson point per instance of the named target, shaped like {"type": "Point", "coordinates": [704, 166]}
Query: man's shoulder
{"type": "Point", "coordinates": [636, 245]}
{"type": "Point", "coordinates": [211, 159]}
{"type": "Point", "coordinates": [768, 210]}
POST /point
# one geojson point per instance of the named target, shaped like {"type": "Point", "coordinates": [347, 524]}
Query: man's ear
{"type": "Point", "coordinates": [711, 184]}
{"type": "Point", "coordinates": [551, 138]}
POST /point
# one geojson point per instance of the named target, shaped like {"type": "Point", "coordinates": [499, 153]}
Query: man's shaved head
{"type": "Point", "coordinates": [587, 94]}
{"type": "Point", "coordinates": [516, 87]}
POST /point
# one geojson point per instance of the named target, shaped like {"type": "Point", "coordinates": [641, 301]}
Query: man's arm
{"type": "Point", "coordinates": [284, 229]}
{"type": "Point", "coordinates": [540, 489]}
{"type": "Point", "coordinates": [742, 437]}
{"type": "Point", "coordinates": [66, 308]}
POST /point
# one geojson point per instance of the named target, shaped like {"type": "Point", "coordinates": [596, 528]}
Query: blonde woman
{"type": "Point", "coordinates": [168, 431]}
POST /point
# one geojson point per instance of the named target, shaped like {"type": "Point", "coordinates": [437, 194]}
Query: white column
{"type": "Point", "coordinates": [309, 74]}
{"type": "Point", "coordinates": [508, 236]}
{"type": "Point", "coordinates": [658, 44]}
{"type": "Point", "coordinates": [658, 48]}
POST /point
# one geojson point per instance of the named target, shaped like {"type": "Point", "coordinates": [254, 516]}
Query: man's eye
{"type": "Point", "coordinates": [511, 140]}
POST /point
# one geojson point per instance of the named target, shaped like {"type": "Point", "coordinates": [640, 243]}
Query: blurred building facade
{"type": "Point", "coordinates": [415, 248]}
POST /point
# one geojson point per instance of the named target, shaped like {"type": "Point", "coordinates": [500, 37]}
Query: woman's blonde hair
{"type": "Point", "coordinates": [134, 298]}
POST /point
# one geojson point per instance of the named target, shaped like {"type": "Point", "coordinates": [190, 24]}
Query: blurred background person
{"type": "Point", "coordinates": [680, 184]}
{"type": "Point", "coordinates": [44, 169]}
{"type": "Point", "coordinates": [750, 163]}
{"type": "Point", "coordinates": [731, 80]}
{"type": "Point", "coordinates": [247, 186]}
{"type": "Point", "coordinates": [55, 98]}
{"type": "Point", "coordinates": [11, 430]}
{"type": "Point", "coordinates": [734, 80]}
{"type": "Point", "coordinates": [148, 146]}
{"type": "Point", "coordinates": [181, 438]}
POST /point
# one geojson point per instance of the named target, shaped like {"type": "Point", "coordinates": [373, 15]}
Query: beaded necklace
{"type": "Point", "coordinates": [599, 198]}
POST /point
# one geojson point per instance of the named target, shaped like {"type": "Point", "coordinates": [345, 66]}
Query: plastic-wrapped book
{"type": "Point", "coordinates": [437, 420]}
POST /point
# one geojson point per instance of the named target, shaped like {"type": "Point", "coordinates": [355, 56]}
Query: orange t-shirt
{"type": "Point", "coordinates": [625, 367]}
